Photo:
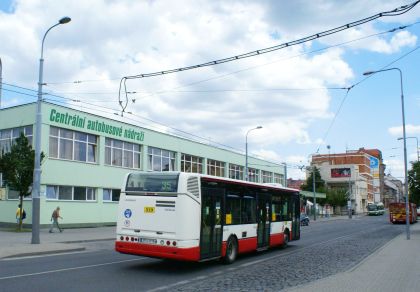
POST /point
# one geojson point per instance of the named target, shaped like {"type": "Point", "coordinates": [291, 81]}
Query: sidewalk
{"type": "Point", "coordinates": [18, 244]}
{"type": "Point", "coordinates": [394, 267]}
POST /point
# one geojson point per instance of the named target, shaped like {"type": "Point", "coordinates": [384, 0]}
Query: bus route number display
{"type": "Point", "coordinates": [166, 186]}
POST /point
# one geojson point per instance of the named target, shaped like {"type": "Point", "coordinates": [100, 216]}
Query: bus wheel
{"type": "Point", "coordinates": [231, 251]}
{"type": "Point", "coordinates": [286, 238]}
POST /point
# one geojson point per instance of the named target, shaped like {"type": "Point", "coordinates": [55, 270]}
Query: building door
{"type": "Point", "coordinates": [211, 222]}
{"type": "Point", "coordinates": [263, 217]}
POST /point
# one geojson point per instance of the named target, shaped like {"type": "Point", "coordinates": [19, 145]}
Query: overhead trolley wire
{"type": "Point", "coordinates": [175, 90]}
{"type": "Point", "coordinates": [19, 92]}
{"type": "Point", "coordinates": [269, 63]}
{"type": "Point", "coordinates": [356, 84]}
{"type": "Point", "coordinates": [394, 12]}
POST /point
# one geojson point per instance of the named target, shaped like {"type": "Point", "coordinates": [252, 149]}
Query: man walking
{"type": "Point", "coordinates": [20, 213]}
{"type": "Point", "coordinates": [54, 218]}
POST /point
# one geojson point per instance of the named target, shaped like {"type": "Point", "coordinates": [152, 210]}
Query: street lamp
{"type": "Point", "coordinates": [37, 169]}
{"type": "Point", "coordinates": [407, 211]}
{"type": "Point", "coordinates": [417, 145]}
{"type": "Point", "coordinates": [246, 151]}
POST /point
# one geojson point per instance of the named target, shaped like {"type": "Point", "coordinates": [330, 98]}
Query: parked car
{"type": "Point", "coordinates": [304, 220]}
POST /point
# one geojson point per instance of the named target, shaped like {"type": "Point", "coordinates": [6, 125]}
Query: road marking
{"type": "Point", "coordinates": [69, 269]}
{"type": "Point", "coordinates": [166, 287]}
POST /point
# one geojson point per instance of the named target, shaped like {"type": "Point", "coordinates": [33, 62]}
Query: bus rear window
{"type": "Point", "coordinates": [140, 182]}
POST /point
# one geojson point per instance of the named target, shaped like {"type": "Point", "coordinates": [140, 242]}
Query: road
{"type": "Point", "coordinates": [326, 248]}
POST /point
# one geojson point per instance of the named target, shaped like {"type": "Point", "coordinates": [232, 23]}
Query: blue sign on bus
{"type": "Point", "coordinates": [127, 213]}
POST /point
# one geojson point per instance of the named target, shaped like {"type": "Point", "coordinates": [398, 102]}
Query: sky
{"type": "Point", "coordinates": [299, 94]}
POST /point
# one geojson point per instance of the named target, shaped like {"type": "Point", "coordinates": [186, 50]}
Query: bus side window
{"type": "Point", "coordinates": [248, 210]}
{"type": "Point", "coordinates": [233, 210]}
{"type": "Point", "coordinates": [276, 212]}
{"type": "Point", "coordinates": [285, 210]}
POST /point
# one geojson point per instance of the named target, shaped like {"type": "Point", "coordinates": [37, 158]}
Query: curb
{"type": "Point", "coordinates": [88, 240]}
{"type": "Point", "coordinates": [35, 253]}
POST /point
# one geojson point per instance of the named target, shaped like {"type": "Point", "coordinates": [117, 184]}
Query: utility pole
{"type": "Point", "coordinates": [349, 199]}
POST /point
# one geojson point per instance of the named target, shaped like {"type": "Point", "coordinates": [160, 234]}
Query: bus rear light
{"type": "Point", "coordinates": [132, 238]}
{"type": "Point", "coordinates": [127, 238]}
{"type": "Point", "coordinates": [121, 238]}
{"type": "Point", "coordinates": [168, 242]}
{"type": "Point", "coordinates": [162, 242]}
{"type": "Point", "coordinates": [174, 243]}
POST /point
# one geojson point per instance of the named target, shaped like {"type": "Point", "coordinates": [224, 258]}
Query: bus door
{"type": "Point", "coordinates": [295, 216]}
{"type": "Point", "coordinates": [263, 217]}
{"type": "Point", "coordinates": [211, 222]}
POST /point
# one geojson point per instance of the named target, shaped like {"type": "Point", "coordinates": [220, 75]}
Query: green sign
{"type": "Point", "coordinates": [96, 125]}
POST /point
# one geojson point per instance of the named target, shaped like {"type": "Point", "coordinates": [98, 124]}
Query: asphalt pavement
{"type": "Point", "coordinates": [393, 267]}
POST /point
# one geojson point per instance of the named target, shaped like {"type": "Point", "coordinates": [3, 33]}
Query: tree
{"type": "Point", "coordinates": [319, 182]}
{"type": "Point", "coordinates": [17, 167]}
{"type": "Point", "coordinates": [337, 197]}
{"type": "Point", "coordinates": [414, 182]}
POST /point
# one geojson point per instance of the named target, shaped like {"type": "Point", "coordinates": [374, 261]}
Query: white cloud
{"type": "Point", "coordinates": [409, 130]}
{"type": "Point", "coordinates": [398, 41]}
{"type": "Point", "coordinates": [109, 39]}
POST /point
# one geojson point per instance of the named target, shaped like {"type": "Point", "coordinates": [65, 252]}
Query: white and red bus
{"type": "Point", "coordinates": [193, 217]}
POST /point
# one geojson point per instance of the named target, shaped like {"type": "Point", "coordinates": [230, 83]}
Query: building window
{"type": "Point", "coordinates": [69, 193]}
{"type": "Point", "coordinates": [123, 154]}
{"type": "Point", "coordinates": [190, 163]}
{"type": "Point", "coordinates": [9, 136]}
{"type": "Point", "coordinates": [253, 175]}
{"type": "Point", "coordinates": [111, 195]}
{"type": "Point", "coordinates": [266, 176]}
{"type": "Point", "coordinates": [13, 195]}
{"type": "Point", "coordinates": [160, 159]}
{"type": "Point", "coordinates": [216, 168]}
{"type": "Point", "coordinates": [72, 145]}
{"type": "Point", "coordinates": [236, 171]}
{"type": "Point", "coordinates": [278, 178]}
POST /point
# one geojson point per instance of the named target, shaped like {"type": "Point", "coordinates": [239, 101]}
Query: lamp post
{"type": "Point", "coordinates": [246, 151]}
{"type": "Point", "coordinates": [407, 211]}
{"type": "Point", "coordinates": [37, 169]}
{"type": "Point", "coordinates": [417, 140]}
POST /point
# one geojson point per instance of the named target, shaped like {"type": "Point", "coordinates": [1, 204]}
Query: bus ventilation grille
{"type": "Point", "coordinates": [192, 186]}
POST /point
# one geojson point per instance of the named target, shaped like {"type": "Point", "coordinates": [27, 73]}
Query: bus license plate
{"type": "Point", "coordinates": [149, 209]}
{"type": "Point", "coordinates": [147, 240]}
